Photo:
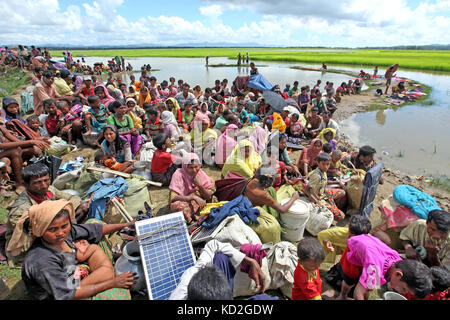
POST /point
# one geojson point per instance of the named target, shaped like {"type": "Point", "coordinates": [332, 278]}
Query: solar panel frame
{"type": "Point", "coordinates": [173, 250]}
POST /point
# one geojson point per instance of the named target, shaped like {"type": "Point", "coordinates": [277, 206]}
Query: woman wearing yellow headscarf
{"type": "Point", "coordinates": [242, 160]}
{"type": "Point", "coordinates": [174, 107]}
{"type": "Point", "coordinates": [327, 135]}
{"type": "Point", "coordinates": [50, 267]}
{"type": "Point", "coordinates": [278, 123]}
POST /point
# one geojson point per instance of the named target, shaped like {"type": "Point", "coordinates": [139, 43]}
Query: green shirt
{"type": "Point", "coordinates": [220, 122]}
{"type": "Point", "coordinates": [187, 119]}
{"type": "Point", "coordinates": [124, 126]}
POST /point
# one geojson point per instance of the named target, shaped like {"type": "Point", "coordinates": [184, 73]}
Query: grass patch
{"type": "Point", "coordinates": [435, 60]}
{"type": "Point", "coordinates": [13, 80]}
{"type": "Point", "coordinates": [441, 182]}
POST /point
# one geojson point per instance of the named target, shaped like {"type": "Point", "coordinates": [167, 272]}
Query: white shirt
{"type": "Point", "coordinates": [206, 259]}
{"type": "Point", "coordinates": [331, 124]}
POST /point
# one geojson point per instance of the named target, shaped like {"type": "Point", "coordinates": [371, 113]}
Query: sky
{"type": "Point", "coordinates": [343, 23]}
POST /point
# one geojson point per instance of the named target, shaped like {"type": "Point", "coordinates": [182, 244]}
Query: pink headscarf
{"type": "Point", "coordinates": [225, 145]}
{"type": "Point", "coordinates": [108, 99]}
{"type": "Point", "coordinates": [258, 139]}
{"type": "Point", "coordinates": [309, 154]}
{"type": "Point", "coordinates": [200, 117]}
{"type": "Point", "coordinates": [183, 183]}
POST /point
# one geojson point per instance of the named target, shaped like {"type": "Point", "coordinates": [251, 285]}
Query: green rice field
{"type": "Point", "coordinates": [438, 60]}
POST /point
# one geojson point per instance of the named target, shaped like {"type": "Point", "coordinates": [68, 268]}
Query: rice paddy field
{"type": "Point", "coordinates": [436, 60]}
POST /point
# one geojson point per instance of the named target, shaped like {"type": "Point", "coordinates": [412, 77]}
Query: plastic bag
{"type": "Point", "coordinates": [319, 219]}
{"type": "Point", "coordinates": [397, 216]}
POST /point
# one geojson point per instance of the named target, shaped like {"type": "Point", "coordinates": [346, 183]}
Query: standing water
{"type": "Point", "coordinates": [412, 139]}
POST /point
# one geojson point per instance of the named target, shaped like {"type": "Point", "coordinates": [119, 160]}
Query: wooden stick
{"type": "Point", "coordinates": [123, 175]}
{"type": "Point", "coordinates": [122, 212]}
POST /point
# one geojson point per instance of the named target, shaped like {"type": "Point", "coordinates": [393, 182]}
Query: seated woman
{"type": "Point", "coordinates": [225, 144]}
{"type": "Point", "coordinates": [307, 160]}
{"type": "Point", "coordinates": [261, 194]}
{"type": "Point", "coordinates": [124, 125]}
{"type": "Point", "coordinates": [134, 113]}
{"type": "Point", "coordinates": [399, 89]}
{"type": "Point", "coordinates": [50, 267]}
{"type": "Point", "coordinates": [144, 96]}
{"type": "Point", "coordinates": [327, 135]}
{"type": "Point", "coordinates": [163, 163]}
{"type": "Point", "coordinates": [190, 188]}
{"type": "Point", "coordinates": [243, 160]}
{"type": "Point", "coordinates": [103, 94]}
{"type": "Point", "coordinates": [281, 140]}
{"type": "Point", "coordinates": [202, 136]}
{"type": "Point", "coordinates": [173, 106]}
{"type": "Point", "coordinates": [171, 128]}
{"type": "Point", "coordinates": [114, 146]}
{"type": "Point", "coordinates": [10, 110]}
{"type": "Point", "coordinates": [316, 189]}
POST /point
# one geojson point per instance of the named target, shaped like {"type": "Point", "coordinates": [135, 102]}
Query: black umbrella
{"type": "Point", "coordinates": [274, 100]}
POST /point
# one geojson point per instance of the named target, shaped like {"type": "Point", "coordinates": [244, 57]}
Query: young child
{"type": "Point", "coordinates": [52, 123]}
{"type": "Point", "coordinates": [312, 125]}
{"type": "Point", "coordinates": [35, 124]}
{"type": "Point", "coordinates": [112, 163]}
{"type": "Point", "coordinates": [97, 115]}
{"type": "Point", "coordinates": [163, 163]}
{"type": "Point", "coordinates": [152, 124]}
{"type": "Point", "coordinates": [316, 189]}
{"type": "Point", "coordinates": [380, 264]}
{"type": "Point", "coordinates": [335, 165]}
{"type": "Point", "coordinates": [327, 148]}
{"type": "Point", "coordinates": [441, 285]}
{"type": "Point", "coordinates": [307, 282]}
{"type": "Point", "coordinates": [97, 260]}
{"type": "Point", "coordinates": [187, 116]}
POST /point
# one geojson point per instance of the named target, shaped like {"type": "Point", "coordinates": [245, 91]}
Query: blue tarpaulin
{"type": "Point", "coordinates": [258, 82]}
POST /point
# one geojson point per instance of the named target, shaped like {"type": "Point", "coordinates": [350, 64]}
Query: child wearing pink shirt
{"type": "Point", "coordinates": [381, 264]}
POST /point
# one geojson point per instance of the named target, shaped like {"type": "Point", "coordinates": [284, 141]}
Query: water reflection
{"type": "Point", "coordinates": [381, 117]}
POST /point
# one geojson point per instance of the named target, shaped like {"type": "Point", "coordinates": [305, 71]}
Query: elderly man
{"type": "Point", "coordinates": [44, 90]}
{"type": "Point", "coordinates": [36, 178]}
{"type": "Point", "coordinates": [327, 122]}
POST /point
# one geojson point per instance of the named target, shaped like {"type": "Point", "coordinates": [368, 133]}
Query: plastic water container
{"type": "Point", "coordinates": [294, 221]}
{"type": "Point", "coordinates": [391, 295]}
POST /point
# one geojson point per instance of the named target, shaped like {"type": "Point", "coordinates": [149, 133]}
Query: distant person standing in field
{"type": "Point", "coordinates": [207, 58]}
{"type": "Point", "coordinates": [388, 75]}
{"type": "Point", "coordinates": [239, 59]}
{"type": "Point", "coordinates": [246, 58]}
{"type": "Point", "coordinates": [375, 71]}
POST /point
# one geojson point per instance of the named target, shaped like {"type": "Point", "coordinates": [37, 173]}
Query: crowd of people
{"type": "Point", "coordinates": [187, 128]}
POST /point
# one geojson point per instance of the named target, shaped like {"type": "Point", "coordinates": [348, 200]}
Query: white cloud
{"type": "Point", "coordinates": [284, 22]}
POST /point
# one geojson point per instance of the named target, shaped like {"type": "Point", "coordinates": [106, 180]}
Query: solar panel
{"type": "Point", "coordinates": [166, 253]}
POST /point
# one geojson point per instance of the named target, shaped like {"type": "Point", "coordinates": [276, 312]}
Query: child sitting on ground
{"type": "Point", "coordinates": [280, 177]}
{"type": "Point", "coordinates": [316, 189]}
{"type": "Point", "coordinates": [97, 114]}
{"type": "Point", "coordinates": [112, 163]}
{"type": "Point", "coordinates": [163, 163]}
{"type": "Point", "coordinates": [152, 124]}
{"type": "Point", "coordinates": [34, 124]}
{"type": "Point", "coordinates": [52, 124]}
{"type": "Point", "coordinates": [307, 283]}
{"type": "Point", "coordinates": [327, 148]}
{"type": "Point", "coordinates": [69, 116]}
{"type": "Point", "coordinates": [335, 165]}
{"type": "Point", "coordinates": [97, 260]}
{"type": "Point", "coordinates": [295, 131]}
{"type": "Point", "coordinates": [187, 116]}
